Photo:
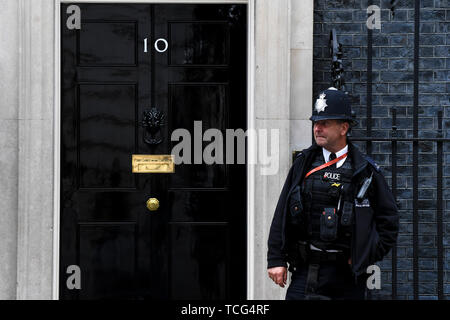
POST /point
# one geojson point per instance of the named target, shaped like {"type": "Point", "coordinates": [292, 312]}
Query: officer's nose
{"type": "Point", "coordinates": [317, 127]}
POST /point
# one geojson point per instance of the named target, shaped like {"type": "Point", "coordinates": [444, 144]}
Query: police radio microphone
{"type": "Point", "coordinates": [362, 192]}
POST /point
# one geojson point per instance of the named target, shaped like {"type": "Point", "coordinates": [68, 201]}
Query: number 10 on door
{"type": "Point", "coordinates": [161, 42]}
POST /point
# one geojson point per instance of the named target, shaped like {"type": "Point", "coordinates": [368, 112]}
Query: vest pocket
{"type": "Point", "coordinates": [295, 206]}
{"type": "Point", "coordinates": [328, 225]}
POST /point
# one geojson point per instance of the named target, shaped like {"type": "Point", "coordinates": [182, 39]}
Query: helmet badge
{"type": "Point", "coordinates": [321, 103]}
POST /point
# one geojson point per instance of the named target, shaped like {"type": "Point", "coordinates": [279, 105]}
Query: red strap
{"type": "Point", "coordinates": [329, 163]}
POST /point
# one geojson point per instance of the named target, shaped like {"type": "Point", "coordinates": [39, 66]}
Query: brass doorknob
{"type": "Point", "coordinates": [152, 204]}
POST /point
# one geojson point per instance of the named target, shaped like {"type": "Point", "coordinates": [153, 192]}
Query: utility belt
{"type": "Point", "coordinates": [305, 255]}
{"type": "Point", "coordinates": [313, 260]}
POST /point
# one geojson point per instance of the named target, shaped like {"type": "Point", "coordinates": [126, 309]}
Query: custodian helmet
{"type": "Point", "coordinates": [333, 104]}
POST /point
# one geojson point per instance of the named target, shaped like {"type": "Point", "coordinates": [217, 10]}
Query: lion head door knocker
{"type": "Point", "coordinates": [153, 121]}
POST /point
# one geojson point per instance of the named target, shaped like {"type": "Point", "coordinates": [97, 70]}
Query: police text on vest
{"type": "Point", "coordinates": [332, 176]}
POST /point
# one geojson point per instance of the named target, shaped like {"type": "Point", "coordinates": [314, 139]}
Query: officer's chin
{"type": "Point", "coordinates": [320, 141]}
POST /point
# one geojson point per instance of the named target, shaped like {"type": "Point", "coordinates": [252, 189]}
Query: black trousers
{"type": "Point", "coordinates": [335, 282]}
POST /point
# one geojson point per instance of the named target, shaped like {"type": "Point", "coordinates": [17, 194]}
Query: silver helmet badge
{"type": "Point", "coordinates": [321, 103]}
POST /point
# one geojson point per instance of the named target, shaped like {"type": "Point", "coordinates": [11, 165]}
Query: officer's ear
{"type": "Point", "coordinates": [346, 126]}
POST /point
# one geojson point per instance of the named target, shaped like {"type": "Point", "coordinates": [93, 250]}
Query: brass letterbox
{"type": "Point", "coordinates": [153, 163]}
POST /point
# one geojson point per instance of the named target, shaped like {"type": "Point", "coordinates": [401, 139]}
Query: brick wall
{"type": "Point", "coordinates": [393, 86]}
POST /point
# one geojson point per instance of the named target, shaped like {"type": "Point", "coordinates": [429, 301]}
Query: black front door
{"type": "Point", "coordinates": [188, 62]}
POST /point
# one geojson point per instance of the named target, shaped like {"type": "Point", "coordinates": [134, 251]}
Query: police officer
{"type": "Point", "coordinates": [336, 214]}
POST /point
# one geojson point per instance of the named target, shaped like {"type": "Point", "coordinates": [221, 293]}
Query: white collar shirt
{"type": "Point", "coordinates": [326, 155]}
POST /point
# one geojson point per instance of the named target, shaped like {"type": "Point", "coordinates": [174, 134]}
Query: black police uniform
{"type": "Point", "coordinates": [322, 212]}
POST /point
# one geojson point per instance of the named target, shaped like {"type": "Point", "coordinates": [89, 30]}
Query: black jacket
{"type": "Point", "coordinates": [376, 226]}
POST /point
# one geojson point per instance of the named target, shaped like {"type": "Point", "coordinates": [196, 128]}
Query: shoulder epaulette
{"type": "Point", "coordinates": [373, 163]}
{"type": "Point", "coordinates": [296, 156]}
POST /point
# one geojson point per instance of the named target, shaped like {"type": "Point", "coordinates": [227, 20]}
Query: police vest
{"type": "Point", "coordinates": [321, 192]}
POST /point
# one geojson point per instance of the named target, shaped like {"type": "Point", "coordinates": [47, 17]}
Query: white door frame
{"type": "Point", "coordinates": [250, 124]}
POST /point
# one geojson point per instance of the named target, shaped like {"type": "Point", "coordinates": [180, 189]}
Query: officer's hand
{"type": "Point", "coordinates": [278, 275]}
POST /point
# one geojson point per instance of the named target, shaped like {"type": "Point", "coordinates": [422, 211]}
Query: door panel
{"type": "Point", "coordinates": [107, 116]}
{"type": "Point", "coordinates": [205, 254]}
{"type": "Point", "coordinates": [189, 48]}
{"type": "Point", "coordinates": [97, 38]}
{"type": "Point", "coordinates": [107, 252]}
{"type": "Point", "coordinates": [205, 102]}
{"type": "Point", "coordinates": [182, 250]}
